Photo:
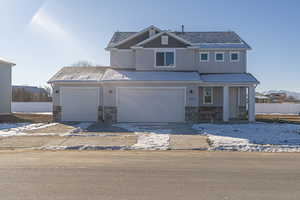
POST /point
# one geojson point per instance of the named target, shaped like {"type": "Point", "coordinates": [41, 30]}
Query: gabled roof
{"type": "Point", "coordinates": [4, 61]}
{"type": "Point", "coordinates": [121, 37]}
{"type": "Point", "coordinates": [162, 33]}
{"type": "Point", "coordinates": [229, 38]}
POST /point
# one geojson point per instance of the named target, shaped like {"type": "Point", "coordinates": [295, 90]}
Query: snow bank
{"type": "Point", "coordinates": [275, 137]}
{"type": "Point", "coordinates": [19, 128]}
{"type": "Point", "coordinates": [81, 127]}
{"type": "Point", "coordinates": [149, 137]}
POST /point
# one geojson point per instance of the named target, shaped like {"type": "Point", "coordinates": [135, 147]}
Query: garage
{"type": "Point", "coordinates": [151, 104]}
{"type": "Point", "coordinates": [79, 103]}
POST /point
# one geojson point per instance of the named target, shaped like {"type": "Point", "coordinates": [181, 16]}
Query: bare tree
{"type": "Point", "coordinates": [82, 63]}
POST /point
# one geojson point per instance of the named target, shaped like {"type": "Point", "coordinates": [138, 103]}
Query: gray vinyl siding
{"type": "Point", "coordinates": [5, 88]}
{"type": "Point", "coordinates": [144, 59]}
{"type": "Point", "coordinates": [221, 67]}
{"type": "Point", "coordinates": [217, 97]}
{"type": "Point", "coordinates": [189, 60]}
{"type": "Point", "coordinates": [122, 58]}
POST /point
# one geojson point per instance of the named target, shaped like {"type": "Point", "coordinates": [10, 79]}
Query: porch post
{"type": "Point", "coordinates": [225, 103]}
{"type": "Point", "coordinates": [251, 104]}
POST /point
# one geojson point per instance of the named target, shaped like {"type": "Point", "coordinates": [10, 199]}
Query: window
{"type": "Point", "coordinates": [164, 40]}
{"type": "Point", "coordinates": [204, 57]}
{"type": "Point", "coordinates": [165, 58]}
{"type": "Point", "coordinates": [219, 56]}
{"type": "Point", "coordinates": [234, 56]}
{"type": "Point", "coordinates": [207, 95]}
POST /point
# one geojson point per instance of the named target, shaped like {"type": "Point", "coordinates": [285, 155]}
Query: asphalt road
{"type": "Point", "coordinates": [133, 175]}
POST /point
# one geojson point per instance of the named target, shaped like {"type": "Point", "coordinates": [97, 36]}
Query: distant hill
{"type": "Point", "coordinates": [295, 95]}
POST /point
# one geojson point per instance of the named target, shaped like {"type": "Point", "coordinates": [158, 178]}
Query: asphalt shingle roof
{"type": "Point", "coordinates": [228, 37]}
{"type": "Point", "coordinates": [99, 74]}
{"type": "Point", "coordinates": [132, 75]}
{"type": "Point", "coordinates": [86, 74]}
{"type": "Point", "coordinates": [229, 78]}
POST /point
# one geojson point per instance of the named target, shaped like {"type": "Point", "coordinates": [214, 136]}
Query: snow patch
{"type": "Point", "coordinates": [266, 137]}
{"type": "Point", "coordinates": [152, 141]}
{"type": "Point", "coordinates": [19, 128]}
{"type": "Point", "coordinates": [81, 127]}
{"type": "Point", "coordinates": [150, 137]}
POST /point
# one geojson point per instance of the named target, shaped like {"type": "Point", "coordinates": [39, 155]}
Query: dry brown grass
{"type": "Point", "coordinates": [19, 118]}
{"type": "Point", "coordinates": [279, 118]}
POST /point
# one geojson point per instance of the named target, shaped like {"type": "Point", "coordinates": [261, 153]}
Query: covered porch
{"type": "Point", "coordinates": [227, 97]}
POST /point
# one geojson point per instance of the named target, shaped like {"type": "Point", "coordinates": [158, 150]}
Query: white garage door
{"type": "Point", "coordinates": [151, 104]}
{"type": "Point", "coordinates": [79, 103]}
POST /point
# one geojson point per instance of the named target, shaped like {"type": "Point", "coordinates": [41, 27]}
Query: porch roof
{"type": "Point", "coordinates": [238, 78]}
{"type": "Point", "coordinates": [132, 75]}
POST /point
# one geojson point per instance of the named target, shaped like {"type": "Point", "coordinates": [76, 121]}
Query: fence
{"type": "Point", "coordinates": [31, 107]}
{"type": "Point", "coordinates": [277, 108]}
{"type": "Point", "coordinates": [265, 108]}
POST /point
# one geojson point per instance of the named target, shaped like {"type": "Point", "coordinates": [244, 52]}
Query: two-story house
{"type": "Point", "coordinates": [160, 76]}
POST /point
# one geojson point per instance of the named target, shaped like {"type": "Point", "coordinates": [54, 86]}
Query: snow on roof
{"type": "Point", "coordinates": [5, 61]}
{"type": "Point", "coordinates": [78, 74]}
{"type": "Point", "coordinates": [229, 78]}
{"type": "Point", "coordinates": [130, 75]}
{"type": "Point", "coordinates": [98, 74]}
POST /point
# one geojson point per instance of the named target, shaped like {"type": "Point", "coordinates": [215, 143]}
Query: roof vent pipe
{"type": "Point", "coordinates": [182, 29]}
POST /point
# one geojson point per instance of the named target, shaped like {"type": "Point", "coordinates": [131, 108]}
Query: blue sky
{"type": "Point", "coordinates": [41, 36]}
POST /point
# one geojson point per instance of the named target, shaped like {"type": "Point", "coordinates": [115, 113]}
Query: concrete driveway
{"type": "Point", "coordinates": [105, 136]}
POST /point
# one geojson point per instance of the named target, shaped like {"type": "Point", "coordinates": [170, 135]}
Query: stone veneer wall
{"type": "Point", "coordinates": [198, 114]}
{"type": "Point", "coordinates": [56, 113]}
{"type": "Point", "coordinates": [110, 114]}
{"type": "Point", "coordinates": [211, 114]}
{"type": "Point", "coordinates": [191, 114]}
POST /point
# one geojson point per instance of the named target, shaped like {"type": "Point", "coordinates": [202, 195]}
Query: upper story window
{"type": "Point", "coordinates": [207, 95]}
{"type": "Point", "coordinates": [204, 56]}
{"type": "Point", "coordinates": [219, 56]}
{"type": "Point", "coordinates": [234, 56]}
{"type": "Point", "coordinates": [165, 58]}
{"type": "Point", "coordinates": [164, 40]}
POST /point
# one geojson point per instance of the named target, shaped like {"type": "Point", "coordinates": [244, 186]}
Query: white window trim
{"type": "Point", "coordinates": [164, 40]}
{"type": "Point", "coordinates": [238, 55]}
{"type": "Point", "coordinates": [207, 56]}
{"type": "Point", "coordinates": [164, 50]}
{"type": "Point", "coordinates": [212, 94]}
{"type": "Point", "coordinates": [216, 56]}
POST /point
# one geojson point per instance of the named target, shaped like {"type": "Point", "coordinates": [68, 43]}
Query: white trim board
{"type": "Point", "coordinates": [161, 33]}
{"type": "Point", "coordinates": [136, 34]}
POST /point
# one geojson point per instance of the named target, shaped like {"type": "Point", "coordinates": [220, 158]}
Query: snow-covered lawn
{"type": "Point", "coordinates": [268, 137]}
{"type": "Point", "coordinates": [149, 137]}
{"type": "Point", "coordinates": [14, 129]}
{"type": "Point", "coordinates": [18, 129]}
